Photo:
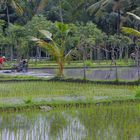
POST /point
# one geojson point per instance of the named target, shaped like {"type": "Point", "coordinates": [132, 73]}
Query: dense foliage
{"type": "Point", "coordinates": [94, 27]}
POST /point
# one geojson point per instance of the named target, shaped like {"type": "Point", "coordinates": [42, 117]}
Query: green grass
{"type": "Point", "coordinates": [89, 63]}
{"type": "Point", "coordinates": [137, 91]}
{"type": "Point", "coordinates": [19, 77]}
{"type": "Point", "coordinates": [60, 92]}
{"type": "Point", "coordinates": [115, 122]}
{"type": "Point", "coordinates": [52, 64]}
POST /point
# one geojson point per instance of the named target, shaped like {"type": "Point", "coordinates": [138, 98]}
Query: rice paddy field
{"type": "Point", "coordinates": [50, 92]}
{"type": "Point", "coordinates": [118, 121]}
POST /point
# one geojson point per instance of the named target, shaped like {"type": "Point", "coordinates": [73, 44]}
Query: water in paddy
{"type": "Point", "coordinates": [117, 122]}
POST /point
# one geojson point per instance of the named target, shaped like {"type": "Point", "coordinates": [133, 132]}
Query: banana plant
{"type": "Point", "coordinates": [57, 50]}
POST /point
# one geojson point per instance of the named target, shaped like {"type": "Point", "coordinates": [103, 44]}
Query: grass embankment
{"type": "Point", "coordinates": [12, 78]}
{"type": "Point", "coordinates": [72, 64]}
{"type": "Point", "coordinates": [24, 78]}
{"type": "Point", "coordinates": [32, 94]}
{"type": "Point", "coordinates": [79, 64]}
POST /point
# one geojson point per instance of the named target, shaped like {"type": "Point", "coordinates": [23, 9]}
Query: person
{"type": "Point", "coordinates": [25, 65]}
{"type": "Point", "coordinates": [2, 60]}
{"type": "Point", "coordinates": [22, 66]}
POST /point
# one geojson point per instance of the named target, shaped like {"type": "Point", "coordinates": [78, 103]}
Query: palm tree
{"type": "Point", "coordinates": [14, 3]}
{"type": "Point", "coordinates": [99, 7]}
{"type": "Point", "coordinates": [135, 33]}
{"type": "Point", "coordinates": [102, 8]}
{"type": "Point", "coordinates": [131, 31]}
{"type": "Point", "coordinates": [57, 50]}
{"type": "Point", "coordinates": [4, 4]}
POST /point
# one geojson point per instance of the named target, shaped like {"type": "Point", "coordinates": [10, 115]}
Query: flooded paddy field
{"type": "Point", "coordinates": [115, 122]}
{"type": "Point", "coordinates": [92, 122]}
{"type": "Point", "coordinates": [101, 73]}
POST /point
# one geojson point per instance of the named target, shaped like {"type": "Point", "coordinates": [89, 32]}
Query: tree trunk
{"type": "Point", "coordinates": [60, 11]}
{"type": "Point", "coordinates": [106, 54]}
{"type": "Point", "coordinates": [116, 71]}
{"type": "Point", "coordinates": [121, 52]}
{"type": "Point", "coordinates": [118, 22]}
{"type": "Point", "coordinates": [61, 68]}
{"type": "Point", "coordinates": [114, 61]}
{"type": "Point", "coordinates": [126, 54]}
{"type": "Point", "coordinates": [84, 67]}
{"type": "Point", "coordinates": [11, 53]}
{"type": "Point", "coordinates": [91, 54]}
{"type": "Point", "coordinates": [38, 53]}
{"type": "Point", "coordinates": [98, 55]}
{"type": "Point", "coordinates": [138, 62]}
{"type": "Point", "coordinates": [8, 17]}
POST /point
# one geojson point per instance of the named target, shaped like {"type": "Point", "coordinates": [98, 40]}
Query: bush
{"type": "Point", "coordinates": [28, 101]}
{"type": "Point", "coordinates": [137, 91]}
{"type": "Point", "coordinates": [89, 63]}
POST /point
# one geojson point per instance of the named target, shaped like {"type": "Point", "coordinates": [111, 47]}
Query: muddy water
{"type": "Point", "coordinates": [119, 122]}
{"type": "Point", "coordinates": [124, 73]}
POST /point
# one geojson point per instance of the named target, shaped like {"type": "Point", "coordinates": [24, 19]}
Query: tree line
{"type": "Point", "coordinates": [94, 27]}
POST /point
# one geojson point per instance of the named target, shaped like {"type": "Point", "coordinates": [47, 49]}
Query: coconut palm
{"type": "Point", "coordinates": [57, 50]}
{"type": "Point", "coordinates": [135, 33]}
{"type": "Point", "coordinates": [114, 8]}
{"type": "Point", "coordinates": [99, 7]}
{"type": "Point", "coordinates": [38, 5]}
{"type": "Point", "coordinates": [14, 3]}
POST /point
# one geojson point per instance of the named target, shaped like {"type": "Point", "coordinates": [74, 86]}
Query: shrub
{"type": "Point", "coordinates": [28, 101]}
{"type": "Point", "coordinates": [89, 63]}
{"type": "Point", "coordinates": [137, 91]}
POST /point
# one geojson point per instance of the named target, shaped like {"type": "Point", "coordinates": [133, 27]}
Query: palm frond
{"type": "Point", "coordinates": [96, 6]}
{"type": "Point", "coordinates": [34, 39]}
{"type": "Point", "coordinates": [64, 28]}
{"type": "Point", "coordinates": [69, 54]}
{"type": "Point", "coordinates": [17, 7]}
{"type": "Point", "coordinates": [53, 49]}
{"type": "Point", "coordinates": [47, 34]}
{"type": "Point", "coordinates": [42, 5]}
{"type": "Point", "coordinates": [130, 31]}
{"type": "Point", "coordinates": [135, 16]}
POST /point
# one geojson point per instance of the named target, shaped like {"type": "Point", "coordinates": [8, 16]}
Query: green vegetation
{"type": "Point", "coordinates": [70, 34]}
{"type": "Point", "coordinates": [95, 122]}
{"type": "Point", "coordinates": [60, 92]}
{"type": "Point", "coordinates": [56, 50]}
{"type": "Point", "coordinates": [94, 29]}
{"type": "Point", "coordinates": [72, 64]}
{"type": "Point", "coordinates": [137, 90]}
{"type": "Point", "coordinates": [4, 78]}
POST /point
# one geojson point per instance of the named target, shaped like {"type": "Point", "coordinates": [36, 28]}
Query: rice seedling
{"type": "Point", "coordinates": [16, 93]}
{"type": "Point", "coordinates": [74, 115]}
{"type": "Point", "coordinates": [113, 122]}
{"type": "Point", "coordinates": [137, 91]}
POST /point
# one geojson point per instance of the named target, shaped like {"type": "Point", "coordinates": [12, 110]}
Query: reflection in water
{"type": "Point", "coordinates": [105, 123]}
